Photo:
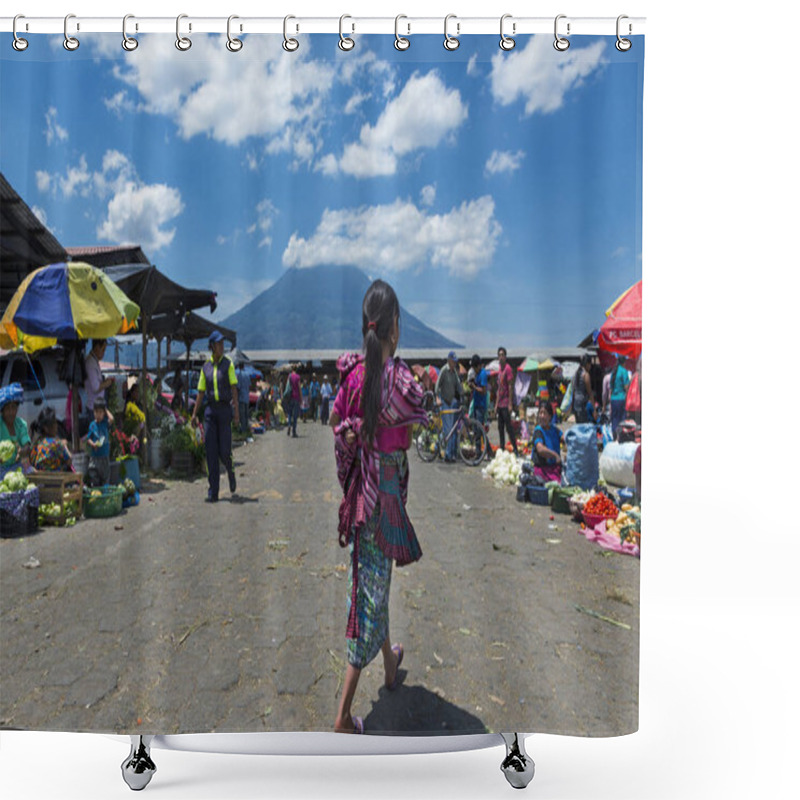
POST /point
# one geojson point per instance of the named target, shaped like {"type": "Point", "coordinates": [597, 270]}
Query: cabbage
{"type": "Point", "coordinates": [15, 481]}
{"type": "Point", "coordinates": [7, 450]}
{"type": "Point", "coordinates": [505, 468]}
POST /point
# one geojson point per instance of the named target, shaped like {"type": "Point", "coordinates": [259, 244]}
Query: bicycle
{"type": "Point", "coordinates": [431, 443]}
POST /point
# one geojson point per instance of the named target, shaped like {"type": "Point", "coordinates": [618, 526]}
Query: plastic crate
{"type": "Point", "coordinates": [61, 488]}
{"type": "Point", "coordinates": [107, 504]}
{"type": "Point", "coordinates": [538, 495]}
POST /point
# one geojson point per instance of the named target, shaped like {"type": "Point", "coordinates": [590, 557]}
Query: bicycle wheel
{"type": "Point", "coordinates": [426, 440]}
{"type": "Point", "coordinates": [472, 442]}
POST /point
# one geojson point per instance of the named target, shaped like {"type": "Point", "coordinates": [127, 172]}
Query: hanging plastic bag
{"type": "Point", "coordinates": [582, 467]}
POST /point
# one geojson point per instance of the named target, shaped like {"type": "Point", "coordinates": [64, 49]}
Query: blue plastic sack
{"type": "Point", "coordinates": [583, 463]}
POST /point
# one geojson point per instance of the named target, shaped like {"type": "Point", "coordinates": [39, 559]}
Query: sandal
{"type": "Point", "coordinates": [397, 649]}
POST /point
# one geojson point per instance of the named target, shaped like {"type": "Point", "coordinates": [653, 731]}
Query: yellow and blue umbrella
{"type": "Point", "coordinates": [65, 302]}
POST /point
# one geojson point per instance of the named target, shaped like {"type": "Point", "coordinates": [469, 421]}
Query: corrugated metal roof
{"type": "Point", "coordinates": [25, 243]}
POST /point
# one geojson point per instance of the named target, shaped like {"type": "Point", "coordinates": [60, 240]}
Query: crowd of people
{"type": "Point", "coordinates": [371, 406]}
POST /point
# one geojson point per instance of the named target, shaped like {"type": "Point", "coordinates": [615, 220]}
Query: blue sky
{"type": "Point", "coordinates": [499, 192]}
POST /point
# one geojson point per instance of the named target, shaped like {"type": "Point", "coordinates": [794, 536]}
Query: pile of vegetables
{"type": "Point", "coordinates": [130, 488]}
{"type": "Point", "coordinates": [14, 481]}
{"type": "Point", "coordinates": [50, 513]}
{"type": "Point", "coordinates": [602, 505]}
{"type": "Point", "coordinates": [7, 450]}
{"type": "Point", "coordinates": [505, 468]}
{"type": "Point", "coordinates": [627, 525]}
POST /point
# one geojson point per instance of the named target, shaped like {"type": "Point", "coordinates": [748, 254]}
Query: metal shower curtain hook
{"type": "Point", "coordinates": [507, 42]}
{"type": "Point", "coordinates": [345, 42]}
{"type": "Point", "coordinates": [401, 42]}
{"type": "Point", "coordinates": [289, 45]}
{"type": "Point", "coordinates": [233, 44]}
{"type": "Point", "coordinates": [451, 42]}
{"type": "Point", "coordinates": [70, 42]}
{"type": "Point", "coordinates": [19, 44]}
{"type": "Point", "coordinates": [129, 43]}
{"type": "Point", "coordinates": [183, 43]}
{"type": "Point", "coordinates": [623, 45]}
{"type": "Point", "coordinates": [560, 43]}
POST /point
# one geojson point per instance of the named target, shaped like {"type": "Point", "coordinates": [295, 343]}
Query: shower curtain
{"type": "Point", "coordinates": [498, 192]}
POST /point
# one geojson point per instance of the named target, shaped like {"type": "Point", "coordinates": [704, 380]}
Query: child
{"type": "Point", "coordinates": [99, 442]}
{"type": "Point", "coordinates": [49, 452]}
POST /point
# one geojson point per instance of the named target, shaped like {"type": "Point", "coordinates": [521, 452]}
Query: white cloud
{"type": "Point", "coordinates": [327, 165]}
{"type": "Point", "coordinates": [351, 106]}
{"type": "Point", "coordinates": [43, 180]}
{"type": "Point", "coordinates": [427, 195]}
{"type": "Point", "coordinates": [40, 214]}
{"type": "Point", "coordinates": [78, 179]}
{"type": "Point", "coordinates": [399, 236]}
{"type": "Point", "coordinates": [504, 161]}
{"type": "Point", "coordinates": [541, 76]}
{"type": "Point", "coordinates": [137, 214]}
{"type": "Point", "coordinates": [53, 130]}
{"type": "Point", "coordinates": [620, 251]}
{"type": "Point", "coordinates": [471, 65]}
{"type": "Point", "coordinates": [260, 93]}
{"type": "Point", "coordinates": [119, 103]}
{"type": "Point", "coordinates": [423, 114]}
{"type": "Point", "coordinates": [266, 212]}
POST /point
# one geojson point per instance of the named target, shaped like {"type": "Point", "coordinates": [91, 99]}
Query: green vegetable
{"type": "Point", "coordinates": [7, 450]}
{"type": "Point", "coordinates": [15, 481]}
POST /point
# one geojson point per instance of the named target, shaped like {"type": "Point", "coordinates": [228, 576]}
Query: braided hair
{"type": "Point", "coordinates": [379, 311]}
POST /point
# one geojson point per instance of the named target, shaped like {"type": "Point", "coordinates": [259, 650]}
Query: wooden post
{"type": "Point", "coordinates": [143, 390]}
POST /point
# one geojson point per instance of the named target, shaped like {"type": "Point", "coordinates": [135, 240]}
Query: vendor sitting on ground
{"type": "Point", "coordinates": [49, 451]}
{"type": "Point", "coordinates": [12, 428]}
{"type": "Point", "coordinates": [546, 447]}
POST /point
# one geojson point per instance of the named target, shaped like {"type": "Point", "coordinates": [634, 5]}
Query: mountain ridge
{"type": "Point", "coordinates": [318, 308]}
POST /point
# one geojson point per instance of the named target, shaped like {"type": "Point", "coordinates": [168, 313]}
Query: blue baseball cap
{"type": "Point", "coordinates": [452, 354]}
{"type": "Point", "coordinates": [215, 336]}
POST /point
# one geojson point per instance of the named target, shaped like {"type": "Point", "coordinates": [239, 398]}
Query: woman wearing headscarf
{"type": "Point", "coordinates": [13, 428]}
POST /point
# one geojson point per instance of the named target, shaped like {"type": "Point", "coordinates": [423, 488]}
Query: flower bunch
{"type": "Point", "coordinates": [123, 445]}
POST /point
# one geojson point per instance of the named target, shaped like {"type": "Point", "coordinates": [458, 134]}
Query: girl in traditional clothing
{"type": "Point", "coordinates": [50, 452]}
{"type": "Point", "coordinates": [377, 403]}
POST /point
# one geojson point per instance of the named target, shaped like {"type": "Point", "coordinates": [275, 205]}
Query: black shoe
{"type": "Point", "coordinates": [232, 481]}
{"type": "Point", "coordinates": [295, 436]}
{"type": "Point", "coordinates": [212, 499]}
{"type": "Point", "coordinates": [288, 431]}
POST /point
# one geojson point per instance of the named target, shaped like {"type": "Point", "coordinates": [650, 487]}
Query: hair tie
{"type": "Point", "coordinates": [372, 326]}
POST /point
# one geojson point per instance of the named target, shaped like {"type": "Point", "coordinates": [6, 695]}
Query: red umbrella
{"type": "Point", "coordinates": [622, 331]}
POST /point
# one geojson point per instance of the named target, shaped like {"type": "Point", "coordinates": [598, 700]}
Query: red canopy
{"type": "Point", "coordinates": [622, 331]}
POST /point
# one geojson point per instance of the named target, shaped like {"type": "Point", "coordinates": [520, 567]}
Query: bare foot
{"type": "Point", "coordinates": [391, 666]}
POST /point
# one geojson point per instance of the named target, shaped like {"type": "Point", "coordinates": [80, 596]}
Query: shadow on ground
{"type": "Point", "coordinates": [415, 710]}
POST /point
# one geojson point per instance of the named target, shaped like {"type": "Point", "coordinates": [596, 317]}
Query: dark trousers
{"type": "Point", "coordinates": [324, 414]}
{"type": "Point", "coordinates": [504, 422]}
{"type": "Point", "coordinates": [218, 443]}
{"type": "Point", "coordinates": [293, 414]}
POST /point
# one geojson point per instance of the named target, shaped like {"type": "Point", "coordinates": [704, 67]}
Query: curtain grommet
{"type": "Point", "coordinates": [507, 42]}
{"type": "Point", "coordinates": [19, 44]}
{"type": "Point", "coordinates": [129, 43]}
{"type": "Point", "coordinates": [346, 43]}
{"type": "Point", "coordinates": [70, 42]}
{"type": "Point", "coordinates": [451, 43]}
{"type": "Point", "coordinates": [561, 44]}
{"type": "Point", "coordinates": [401, 43]}
{"type": "Point", "coordinates": [622, 44]}
{"type": "Point", "coordinates": [289, 45]}
{"type": "Point", "coordinates": [233, 44]}
{"type": "Point", "coordinates": [183, 43]}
